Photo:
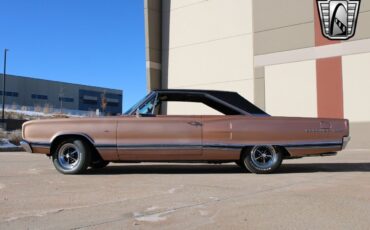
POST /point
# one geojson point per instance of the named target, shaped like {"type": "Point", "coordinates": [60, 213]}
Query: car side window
{"type": "Point", "coordinates": [149, 107]}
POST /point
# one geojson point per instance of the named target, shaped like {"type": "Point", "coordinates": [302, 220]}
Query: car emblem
{"type": "Point", "coordinates": [338, 18]}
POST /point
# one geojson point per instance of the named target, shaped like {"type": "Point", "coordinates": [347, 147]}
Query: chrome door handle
{"type": "Point", "coordinates": [195, 123]}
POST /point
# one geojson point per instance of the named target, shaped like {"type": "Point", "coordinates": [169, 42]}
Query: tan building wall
{"type": "Point", "coordinates": [285, 93]}
{"type": "Point", "coordinates": [281, 25]}
{"type": "Point", "coordinates": [270, 51]}
{"type": "Point", "coordinates": [212, 50]}
{"type": "Point", "coordinates": [153, 41]}
{"type": "Point", "coordinates": [356, 87]}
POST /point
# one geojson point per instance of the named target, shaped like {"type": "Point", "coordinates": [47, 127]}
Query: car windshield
{"type": "Point", "coordinates": [134, 107]}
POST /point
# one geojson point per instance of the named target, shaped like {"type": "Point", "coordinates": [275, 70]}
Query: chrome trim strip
{"type": "Point", "coordinates": [300, 144]}
{"type": "Point", "coordinates": [64, 133]}
{"type": "Point", "coordinates": [40, 144]}
{"type": "Point", "coordinates": [315, 147]}
{"type": "Point", "coordinates": [160, 146]}
{"type": "Point", "coordinates": [332, 144]}
{"type": "Point", "coordinates": [328, 145]}
{"type": "Point", "coordinates": [106, 148]}
{"type": "Point", "coordinates": [223, 146]}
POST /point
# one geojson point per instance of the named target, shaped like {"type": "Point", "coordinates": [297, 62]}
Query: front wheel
{"type": "Point", "coordinates": [262, 159]}
{"type": "Point", "coordinates": [72, 156]}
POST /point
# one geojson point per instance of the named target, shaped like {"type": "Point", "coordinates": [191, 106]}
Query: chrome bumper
{"type": "Point", "coordinates": [345, 141]}
{"type": "Point", "coordinates": [26, 146]}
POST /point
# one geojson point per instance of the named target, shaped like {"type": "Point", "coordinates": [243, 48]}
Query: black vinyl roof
{"type": "Point", "coordinates": [229, 103]}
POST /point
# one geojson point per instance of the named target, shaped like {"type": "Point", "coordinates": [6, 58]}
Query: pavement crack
{"type": "Point", "coordinates": [200, 204]}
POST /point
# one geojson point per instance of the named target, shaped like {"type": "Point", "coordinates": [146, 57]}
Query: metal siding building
{"type": "Point", "coordinates": [270, 51]}
{"type": "Point", "coordinates": [26, 91]}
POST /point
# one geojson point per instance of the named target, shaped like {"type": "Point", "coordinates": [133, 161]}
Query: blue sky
{"type": "Point", "coordinates": [93, 42]}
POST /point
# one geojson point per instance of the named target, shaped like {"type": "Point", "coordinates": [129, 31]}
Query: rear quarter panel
{"type": "Point", "coordinates": [293, 133]}
{"type": "Point", "coordinates": [300, 136]}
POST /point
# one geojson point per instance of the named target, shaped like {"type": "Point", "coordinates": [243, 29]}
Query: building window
{"type": "Point", "coordinates": [66, 99]}
{"type": "Point", "coordinates": [113, 104]}
{"type": "Point", "coordinates": [90, 100]}
{"type": "Point", "coordinates": [39, 97]}
{"type": "Point", "coordinates": [10, 94]}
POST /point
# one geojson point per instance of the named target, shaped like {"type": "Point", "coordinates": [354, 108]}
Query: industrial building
{"type": "Point", "coordinates": [33, 92]}
{"type": "Point", "coordinates": [270, 51]}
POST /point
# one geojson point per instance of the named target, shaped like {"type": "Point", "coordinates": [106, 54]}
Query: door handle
{"type": "Point", "coordinates": [195, 123]}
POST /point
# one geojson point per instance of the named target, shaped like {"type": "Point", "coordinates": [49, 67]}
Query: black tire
{"type": "Point", "coordinates": [72, 156]}
{"type": "Point", "coordinates": [262, 159]}
{"type": "Point", "coordinates": [99, 164]}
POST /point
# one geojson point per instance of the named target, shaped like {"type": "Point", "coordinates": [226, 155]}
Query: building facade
{"type": "Point", "coordinates": [270, 51]}
{"type": "Point", "coordinates": [26, 91]}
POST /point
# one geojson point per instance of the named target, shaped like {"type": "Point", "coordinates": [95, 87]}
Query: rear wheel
{"type": "Point", "coordinates": [72, 156]}
{"type": "Point", "coordinates": [262, 159]}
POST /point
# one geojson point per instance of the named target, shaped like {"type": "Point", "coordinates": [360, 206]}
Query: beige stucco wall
{"type": "Point", "coordinates": [291, 89]}
{"type": "Point", "coordinates": [356, 95]}
{"type": "Point", "coordinates": [356, 85]}
{"type": "Point", "coordinates": [210, 46]}
{"type": "Point", "coordinates": [153, 44]}
{"type": "Point", "coordinates": [363, 23]}
{"type": "Point", "coordinates": [190, 108]}
{"type": "Point", "coordinates": [282, 25]}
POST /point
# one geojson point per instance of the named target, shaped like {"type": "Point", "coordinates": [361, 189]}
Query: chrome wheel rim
{"type": "Point", "coordinates": [263, 156]}
{"type": "Point", "coordinates": [69, 156]}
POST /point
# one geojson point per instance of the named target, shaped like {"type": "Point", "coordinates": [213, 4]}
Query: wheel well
{"type": "Point", "coordinates": [277, 147]}
{"type": "Point", "coordinates": [285, 152]}
{"type": "Point", "coordinates": [95, 154]}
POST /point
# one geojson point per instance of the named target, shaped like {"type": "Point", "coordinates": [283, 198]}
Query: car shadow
{"type": "Point", "coordinates": [225, 168]}
{"type": "Point", "coordinates": [168, 169]}
{"type": "Point", "coordinates": [324, 167]}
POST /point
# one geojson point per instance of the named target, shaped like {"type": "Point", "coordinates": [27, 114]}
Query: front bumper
{"type": "Point", "coordinates": [26, 146]}
{"type": "Point", "coordinates": [345, 141]}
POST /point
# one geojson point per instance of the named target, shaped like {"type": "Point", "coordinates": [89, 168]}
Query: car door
{"type": "Point", "coordinates": [159, 138]}
{"type": "Point", "coordinates": [219, 138]}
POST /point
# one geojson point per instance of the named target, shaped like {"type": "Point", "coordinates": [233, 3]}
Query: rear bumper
{"type": "Point", "coordinates": [345, 141]}
{"type": "Point", "coordinates": [26, 146]}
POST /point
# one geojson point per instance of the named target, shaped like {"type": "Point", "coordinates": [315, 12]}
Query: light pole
{"type": "Point", "coordinates": [4, 77]}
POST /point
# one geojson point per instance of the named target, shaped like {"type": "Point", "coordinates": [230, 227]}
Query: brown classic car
{"type": "Point", "coordinates": [243, 134]}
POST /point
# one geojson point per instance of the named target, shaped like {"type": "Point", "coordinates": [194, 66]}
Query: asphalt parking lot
{"type": "Point", "coordinates": [308, 193]}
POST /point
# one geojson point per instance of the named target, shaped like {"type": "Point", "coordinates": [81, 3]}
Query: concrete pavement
{"type": "Point", "coordinates": [308, 193]}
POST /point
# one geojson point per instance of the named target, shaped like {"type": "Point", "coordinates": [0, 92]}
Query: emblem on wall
{"type": "Point", "coordinates": [338, 18]}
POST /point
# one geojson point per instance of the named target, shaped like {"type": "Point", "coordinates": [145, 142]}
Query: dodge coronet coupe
{"type": "Point", "coordinates": [242, 133]}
